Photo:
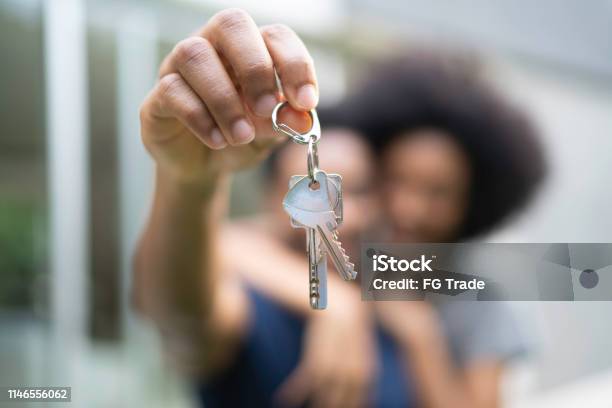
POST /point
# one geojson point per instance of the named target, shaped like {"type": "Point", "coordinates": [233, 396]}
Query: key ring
{"type": "Point", "coordinates": [301, 138]}
{"type": "Point", "coordinates": [313, 158]}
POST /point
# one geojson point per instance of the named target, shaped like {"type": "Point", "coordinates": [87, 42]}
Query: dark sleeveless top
{"type": "Point", "coordinates": [272, 349]}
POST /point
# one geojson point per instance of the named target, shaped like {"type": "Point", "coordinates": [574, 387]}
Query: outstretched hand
{"type": "Point", "coordinates": [210, 110]}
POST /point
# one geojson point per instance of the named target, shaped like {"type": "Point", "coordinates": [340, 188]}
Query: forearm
{"type": "Point", "coordinates": [440, 382]}
{"type": "Point", "coordinates": [173, 281]}
{"type": "Point", "coordinates": [433, 373]}
{"type": "Point", "coordinates": [280, 272]}
{"type": "Point", "coordinates": [206, 116]}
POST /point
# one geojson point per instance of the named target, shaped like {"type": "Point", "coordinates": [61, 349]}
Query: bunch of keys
{"type": "Point", "coordinates": [314, 202]}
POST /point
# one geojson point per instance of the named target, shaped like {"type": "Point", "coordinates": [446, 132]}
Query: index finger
{"type": "Point", "coordinates": [234, 34]}
{"type": "Point", "coordinates": [294, 66]}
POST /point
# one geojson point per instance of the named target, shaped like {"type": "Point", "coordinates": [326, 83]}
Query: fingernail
{"type": "Point", "coordinates": [216, 139]}
{"type": "Point", "coordinates": [265, 105]}
{"type": "Point", "coordinates": [242, 132]}
{"type": "Point", "coordinates": [307, 97]}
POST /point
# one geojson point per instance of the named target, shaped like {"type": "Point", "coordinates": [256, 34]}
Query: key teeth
{"type": "Point", "coordinates": [350, 266]}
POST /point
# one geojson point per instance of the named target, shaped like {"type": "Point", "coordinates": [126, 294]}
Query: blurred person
{"type": "Point", "coordinates": [435, 124]}
{"type": "Point", "coordinates": [209, 116]}
{"type": "Point", "coordinates": [272, 264]}
{"type": "Point", "coordinates": [456, 160]}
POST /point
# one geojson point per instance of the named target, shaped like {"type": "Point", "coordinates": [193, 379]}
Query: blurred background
{"type": "Point", "coordinates": [75, 181]}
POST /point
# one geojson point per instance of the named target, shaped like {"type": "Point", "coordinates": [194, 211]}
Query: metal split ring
{"type": "Point", "coordinates": [301, 138]}
{"type": "Point", "coordinates": [313, 158]}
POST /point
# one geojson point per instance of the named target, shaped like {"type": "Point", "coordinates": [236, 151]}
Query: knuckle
{"type": "Point", "coordinates": [225, 110]}
{"type": "Point", "coordinates": [192, 114]}
{"type": "Point", "coordinates": [223, 100]}
{"type": "Point", "coordinates": [255, 70]}
{"type": "Point", "coordinates": [144, 112]}
{"type": "Point", "coordinates": [231, 18]}
{"type": "Point", "coordinates": [276, 31]}
{"type": "Point", "coordinates": [165, 65]}
{"type": "Point", "coordinates": [168, 86]}
{"type": "Point", "coordinates": [196, 116]}
{"type": "Point", "coordinates": [193, 49]}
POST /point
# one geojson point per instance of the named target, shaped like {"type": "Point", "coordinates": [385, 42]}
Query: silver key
{"type": "Point", "coordinates": [317, 262]}
{"type": "Point", "coordinates": [317, 259]}
{"type": "Point", "coordinates": [321, 239]}
{"type": "Point", "coordinates": [317, 271]}
{"type": "Point", "coordinates": [312, 208]}
{"type": "Point", "coordinates": [334, 187]}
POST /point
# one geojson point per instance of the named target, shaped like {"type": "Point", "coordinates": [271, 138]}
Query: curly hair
{"type": "Point", "coordinates": [424, 89]}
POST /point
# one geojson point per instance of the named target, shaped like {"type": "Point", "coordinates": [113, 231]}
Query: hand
{"type": "Point", "coordinates": [210, 111]}
{"type": "Point", "coordinates": [412, 323]}
{"type": "Point", "coordinates": [338, 360]}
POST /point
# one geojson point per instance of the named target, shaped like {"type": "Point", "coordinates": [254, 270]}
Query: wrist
{"type": "Point", "coordinates": [347, 304]}
{"type": "Point", "coordinates": [198, 189]}
{"type": "Point", "coordinates": [426, 336]}
{"type": "Point", "coordinates": [412, 324]}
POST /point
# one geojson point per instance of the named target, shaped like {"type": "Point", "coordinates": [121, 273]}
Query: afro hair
{"type": "Point", "coordinates": [447, 92]}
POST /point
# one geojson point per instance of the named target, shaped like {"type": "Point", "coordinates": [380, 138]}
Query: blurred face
{"type": "Point", "coordinates": [343, 152]}
{"type": "Point", "coordinates": [425, 190]}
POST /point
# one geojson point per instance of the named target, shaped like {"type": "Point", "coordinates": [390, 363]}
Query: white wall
{"type": "Point", "coordinates": [573, 113]}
